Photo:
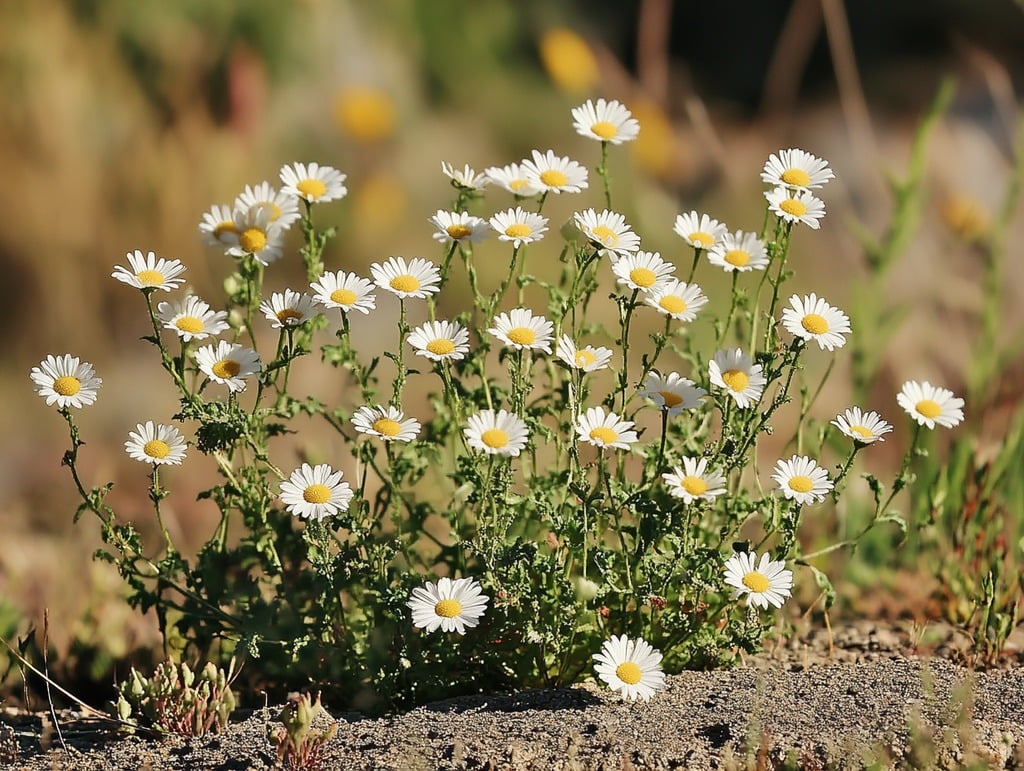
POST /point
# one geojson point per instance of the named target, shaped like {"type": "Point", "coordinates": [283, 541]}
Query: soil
{"type": "Point", "coordinates": [879, 696]}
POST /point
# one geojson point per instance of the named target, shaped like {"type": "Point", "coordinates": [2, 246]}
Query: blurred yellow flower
{"type": "Point", "coordinates": [568, 60]}
{"type": "Point", "coordinates": [380, 202]}
{"type": "Point", "coordinates": [655, 150]}
{"type": "Point", "coordinates": [965, 217]}
{"type": "Point", "coordinates": [364, 113]}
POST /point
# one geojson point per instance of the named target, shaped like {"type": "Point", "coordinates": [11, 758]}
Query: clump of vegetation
{"type": "Point", "coordinates": [178, 700]}
{"type": "Point", "coordinates": [299, 745]}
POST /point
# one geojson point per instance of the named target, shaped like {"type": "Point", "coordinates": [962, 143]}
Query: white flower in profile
{"type": "Point", "coordinates": [465, 178]}
{"type": "Point", "coordinates": [218, 227]}
{"type": "Point", "coordinates": [519, 226]}
{"type": "Point", "coordinates": [797, 169]}
{"type": "Point", "coordinates": [66, 381]}
{"type": "Point", "coordinates": [458, 226]}
{"type": "Point", "coordinates": [228, 364]}
{"type": "Point", "coordinates": [449, 605]}
{"type": "Point", "coordinates": [694, 481]}
{"type": "Point", "coordinates": [588, 359]}
{"type": "Point", "coordinates": [631, 667]}
{"type": "Point", "coordinates": [257, 235]}
{"type": "Point", "coordinates": [735, 373]}
{"type": "Point", "coordinates": [283, 206]}
{"type": "Point", "coordinates": [149, 272]}
{"type": "Point", "coordinates": [387, 423]}
{"type": "Point", "coordinates": [767, 583]}
{"type": "Point", "coordinates": [644, 271]}
{"type": "Point", "coordinates": [156, 444]}
{"type": "Point", "coordinates": [796, 206]}
{"type": "Point", "coordinates": [677, 299]}
{"type": "Point", "coordinates": [347, 291]}
{"type": "Point", "coordinates": [313, 183]}
{"type": "Point", "coordinates": [521, 330]}
{"type": "Point", "coordinates": [315, 492]}
{"type": "Point", "coordinates": [672, 392]}
{"type": "Point", "coordinates": [802, 480]}
{"type": "Point", "coordinates": [739, 251]}
{"type": "Point", "coordinates": [513, 179]}
{"type": "Point", "coordinates": [699, 230]}
{"type": "Point", "coordinates": [288, 309]}
{"type": "Point", "coordinates": [811, 318]}
{"type": "Point", "coordinates": [606, 121]}
{"type": "Point", "coordinates": [416, 278]}
{"type": "Point", "coordinates": [930, 405]}
{"type": "Point", "coordinates": [608, 231]}
{"type": "Point", "coordinates": [862, 427]}
{"type": "Point", "coordinates": [192, 319]}
{"type": "Point", "coordinates": [550, 173]}
{"type": "Point", "coordinates": [440, 340]}
{"type": "Point", "coordinates": [500, 433]}
{"type": "Point", "coordinates": [605, 429]}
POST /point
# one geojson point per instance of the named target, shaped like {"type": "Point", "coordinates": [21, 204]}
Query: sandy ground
{"type": "Point", "coordinates": [875, 700]}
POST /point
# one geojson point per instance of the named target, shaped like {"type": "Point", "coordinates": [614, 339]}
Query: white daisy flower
{"type": "Point", "coordinates": [631, 667]}
{"type": "Point", "coordinates": [313, 183]}
{"type": "Point", "coordinates": [550, 173]}
{"type": "Point", "coordinates": [388, 423]}
{"type": "Point", "coordinates": [797, 169]}
{"type": "Point", "coordinates": [347, 291]}
{"type": "Point", "coordinates": [644, 271]}
{"type": "Point", "coordinates": [699, 230]}
{"type": "Point", "coordinates": [606, 122]}
{"type": "Point", "coordinates": [605, 430]}
{"type": "Point", "coordinates": [440, 340]}
{"type": "Point", "coordinates": [283, 207]}
{"type": "Point", "coordinates": [589, 359]}
{"type": "Point", "coordinates": [500, 433]}
{"type": "Point", "coordinates": [458, 226]}
{"type": "Point", "coordinates": [862, 427]}
{"type": "Point", "coordinates": [228, 364]}
{"type": "Point", "coordinates": [796, 206]}
{"type": "Point", "coordinates": [315, 492]}
{"type": "Point", "coordinates": [739, 251]}
{"type": "Point", "coordinates": [767, 584]}
{"type": "Point", "coordinates": [512, 178]}
{"type": "Point", "coordinates": [811, 318]}
{"type": "Point", "coordinates": [519, 226]}
{"type": "Point", "coordinates": [149, 272]}
{"type": "Point", "coordinates": [928, 404]}
{"type": "Point", "coordinates": [192, 319]}
{"type": "Point", "coordinates": [677, 299]}
{"type": "Point", "coordinates": [736, 373]}
{"type": "Point", "coordinates": [156, 444]}
{"type": "Point", "coordinates": [257, 235]}
{"type": "Point", "coordinates": [466, 178]}
{"type": "Point", "coordinates": [288, 309]}
{"type": "Point", "coordinates": [802, 480]}
{"type": "Point", "coordinates": [520, 329]}
{"type": "Point", "coordinates": [417, 278]}
{"type": "Point", "coordinates": [449, 605]}
{"type": "Point", "coordinates": [694, 481]}
{"type": "Point", "coordinates": [218, 227]}
{"type": "Point", "coordinates": [672, 392]}
{"type": "Point", "coordinates": [608, 231]}
{"type": "Point", "coordinates": [66, 381]}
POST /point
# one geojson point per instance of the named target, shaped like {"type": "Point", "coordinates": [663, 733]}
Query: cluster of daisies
{"type": "Point", "coordinates": [254, 226]}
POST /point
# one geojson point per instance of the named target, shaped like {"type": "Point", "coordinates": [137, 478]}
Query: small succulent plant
{"type": "Point", "coordinates": [178, 700]}
{"type": "Point", "coordinates": [299, 745]}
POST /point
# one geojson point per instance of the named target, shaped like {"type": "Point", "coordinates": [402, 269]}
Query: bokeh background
{"type": "Point", "coordinates": [123, 121]}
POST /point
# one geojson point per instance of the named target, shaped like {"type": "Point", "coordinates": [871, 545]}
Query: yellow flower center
{"type": "Point", "coordinates": [441, 346]}
{"type": "Point", "coordinates": [365, 114]}
{"type": "Point", "coordinates": [737, 257]}
{"type": "Point", "coordinates": [387, 427]}
{"type": "Point", "coordinates": [643, 277]}
{"type": "Point", "coordinates": [814, 324]}
{"type": "Point", "coordinates": [311, 188]}
{"type": "Point", "coordinates": [227, 226]}
{"type": "Point", "coordinates": [670, 398]}
{"type": "Point", "coordinates": [226, 368]}
{"type": "Point", "coordinates": [801, 484]}
{"type": "Point", "coordinates": [522, 336]}
{"type": "Point", "coordinates": [517, 184]}
{"type": "Point", "coordinates": [628, 672]}
{"type": "Point", "coordinates": [604, 435]}
{"type": "Point", "coordinates": [272, 209]}
{"type": "Point", "coordinates": [289, 316]}
{"type": "Point", "coordinates": [736, 379]}
{"type": "Point", "coordinates": [694, 485]}
{"type": "Point", "coordinates": [585, 358]}
{"type": "Point", "coordinates": [150, 277]}
{"type": "Point", "coordinates": [189, 324]}
{"type": "Point", "coordinates": [448, 608]}
{"type": "Point", "coordinates": [794, 207]}
{"type": "Point", "coordinates": [458, 231]}
{"type": "Point", "coordinates": [797, 177]}
{"type": "Point", "coordinates": [344, 296]}
{"type": "Point", "coordinates": [518, 230]}
{"type": "Point", "coordinates": [702, 238]}
{"type": "Point", "coordinates": [673, 304]}
{"type": "Point", "coordinates": [569, 61]}
{"type": "Point", "coordinates": [253, 240]}
{"type": "Point", "coordinates": [928, 408]}
{"type": "Point", "coordinates": [405, 283]}
{"type": "Point", "coordinates": [605, 130]}
{"type": "Point", "coordinates": [67, 385]}
{"type": "Point", "coordinates": [156, 448]}
{"type": "Point", "coordinates": [316, 494]}
{"type": "Point", "coordinates": [494, 438]}
{"type": "Point", "coordinates": [756, 582]}
{"type": "Point", "coordinates": [605, 235]}
{"type": "Point", "coordinates": [553, 178]}
{"type": "Point", "coordinates": [862, 431]}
